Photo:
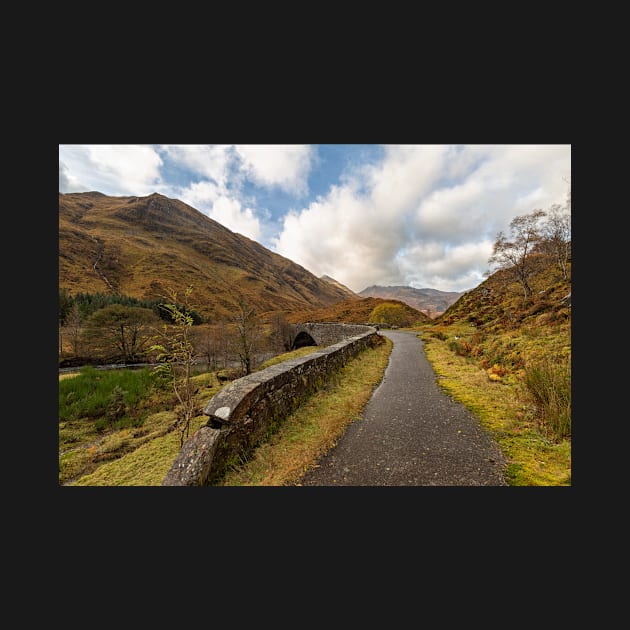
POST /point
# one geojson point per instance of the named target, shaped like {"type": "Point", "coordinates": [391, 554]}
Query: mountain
{"type": "Point", "coordinates": [139, 246]}
{"type": "Point", "coordinates": [349, 292]}
{"type": "Point", "coordinates": [429, 301]}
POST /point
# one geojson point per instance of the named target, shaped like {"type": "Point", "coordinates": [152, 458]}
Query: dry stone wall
{"type": "Point", "coordinates": [249, 408]}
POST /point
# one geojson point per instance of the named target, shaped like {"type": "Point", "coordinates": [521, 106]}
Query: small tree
{"type": "Point", "coordinates": [390, 315]}
{"type": "Point", "coordinates": [248, 328]}
{"type": "Point", "coordinates": [557, 235]}
{"type": "Point", "coordinates": [124, 331]}
{"type": "Point", "coordinates": [212, 344]}
{"type": "Point", "coordinates": [74, 326]}
{"type": "Point", "coordinates": [175, 354]}
{"type": "Point", "coordinates": [515, 255]}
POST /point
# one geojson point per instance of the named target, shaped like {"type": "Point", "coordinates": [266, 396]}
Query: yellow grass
{"type": "Point", "coordinates": [146, 465]}
{"type": "Point", "coordinates": [66, 375]}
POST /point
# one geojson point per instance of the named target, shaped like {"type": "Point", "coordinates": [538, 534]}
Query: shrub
{"type": "Point", "coordinates": [460, 347]}
{"type": "Point", "coordinates": [549, 383]}
{"type": "Point", "coordinates": [477, 338]}
{"type": "Point", "coordinates": [391, 314]}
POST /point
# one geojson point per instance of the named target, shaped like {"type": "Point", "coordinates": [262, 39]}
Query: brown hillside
{"type": "Point", "coordinates": [138, 246]}
{"type": "Point", "coordinates": [497, 303]}
{"type": "Point", "coordinates": [349, 292]}
{"type": "Point", "coordinates": [351, 311]}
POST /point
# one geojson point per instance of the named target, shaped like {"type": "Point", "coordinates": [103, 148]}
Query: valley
{"type": "Point", "coordinates": [498, 351]}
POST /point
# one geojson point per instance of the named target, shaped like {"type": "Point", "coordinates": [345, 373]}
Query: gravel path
{"type": "Point", "coordinates": [411, 434]}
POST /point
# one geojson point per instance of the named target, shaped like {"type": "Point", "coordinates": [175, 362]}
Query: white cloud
{"type": "Point", "coordinates": [437, 266]}
{"type": "Point", "coordinates": [425, 216]}
{"type": "Point", "coordinates": [229, 212]}
{"type": "Point", "coordinates": [218, 205]}
{"type": "Point", "coordinates": [200, 195]}
{"type": "Point", "coordinates": [406, 173]}
{"type": "Point", "coordinates": [281, 165]}
{"type": "Point", "coordinates": [344, 235]}
{"type": "Point", "coordinates": [65, 179]}
{"type": "Point", "coordinates": [211, 161]}
{"type": "Point", "coordinates": [113, 169]}
{"type": "Point", "coordinates": [354, 233]}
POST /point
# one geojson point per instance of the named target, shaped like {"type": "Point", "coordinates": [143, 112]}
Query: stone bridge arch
{"type": "Point", "coordinates": [302, 339]}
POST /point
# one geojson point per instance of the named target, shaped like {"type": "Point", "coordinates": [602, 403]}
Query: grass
{"type": "Point", "coordinates": [146, 465]}
{"type": "Point", "coordinates": [506, 409]}
{"type": "Point", "coordinates": [90, 394]}
{"type": "Point", "coordinates": [550, 384]}
{"type": "Point", "coordinates": [293, 354]}
{"type": "Point", "coordinates": [139, 449]}
{"type": "Point", "coordinates": [141, 454]}
{"type": "Point", "coordinates": [315, 426]}
{"type": "Point", "coordinates": [95, 452]}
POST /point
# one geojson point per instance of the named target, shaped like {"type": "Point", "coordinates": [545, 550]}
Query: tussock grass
{"type": "Point", "coordinates": [550, 385]}
{"type": "Point", "coordinates": [315, 426]}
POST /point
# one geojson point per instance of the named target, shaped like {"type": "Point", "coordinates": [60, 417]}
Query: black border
{"type": "Point", "coordinates": [397, 114]}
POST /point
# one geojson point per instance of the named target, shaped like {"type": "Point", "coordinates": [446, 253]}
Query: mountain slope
{"type": "Point", "coordinates": [497, 305]}
{"type": "Point", "coordinates": [349, 292]}
{"type": "Point", "coordinates": [429, 301]}
{"type": "Point", "coordinates": [139, 246]}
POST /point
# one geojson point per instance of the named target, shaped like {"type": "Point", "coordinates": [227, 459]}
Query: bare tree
{"type": "Point", "coordinates": [212, 343]}
{"type": "Point", "coordinates": [74, 325]}
{"type": "Point", "coordinates": [515, 255]}
{"type": "Point", "coordinates": [248, 328]}
{"type": "Point", "coordinates": [557, 235]}
{"type": "Point", "coordinates": [205, 344]}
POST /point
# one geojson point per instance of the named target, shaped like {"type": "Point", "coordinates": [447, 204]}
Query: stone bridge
{"type": "Point", "coordinates": [324, 333]}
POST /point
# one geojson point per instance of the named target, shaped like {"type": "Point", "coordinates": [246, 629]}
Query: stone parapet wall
{"type": "Point", "coordinates": [251, 407]}
{"type": "Point", "coordinates": [327, 334]}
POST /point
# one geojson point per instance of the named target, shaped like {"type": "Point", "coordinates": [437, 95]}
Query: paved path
{"type": "Point", "coordinates": [411, 434]}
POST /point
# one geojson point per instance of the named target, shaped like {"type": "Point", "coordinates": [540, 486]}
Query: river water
{"type": "Point", "coordinates": [199, 365]}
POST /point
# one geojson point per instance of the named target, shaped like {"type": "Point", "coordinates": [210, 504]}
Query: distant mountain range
{"type": "Point", "coordinates": [431, 302]}
{"type": "Point", "coordinates": [139, 246]}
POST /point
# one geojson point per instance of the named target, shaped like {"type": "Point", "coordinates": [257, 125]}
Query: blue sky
{"type": "Point", "coordinates": [364, 214]}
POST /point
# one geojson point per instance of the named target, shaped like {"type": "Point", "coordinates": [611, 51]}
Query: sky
{"type": "Point", "coordinates": [424, 216]}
